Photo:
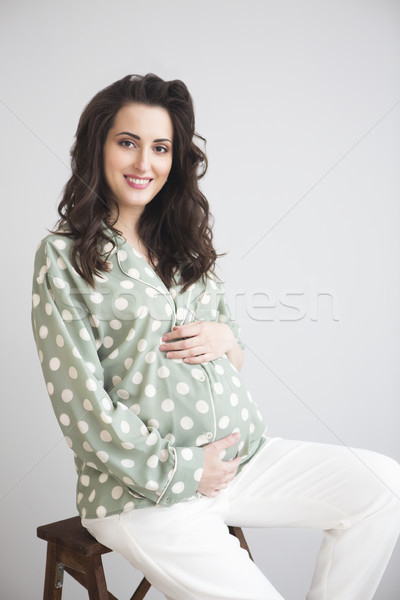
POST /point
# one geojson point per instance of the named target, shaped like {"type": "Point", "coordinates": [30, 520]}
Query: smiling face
{"type": "Point", "coordinates": [137, 156]}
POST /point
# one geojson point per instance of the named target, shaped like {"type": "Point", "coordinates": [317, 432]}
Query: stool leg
{"type": "Point", "coordinates": [51, 592]}
{"type": "Point", "coordinates": [238, 533]}
{"type": "Point", "coordinates": [141, 590]}
{"type": "Point", "coordinates": [95, 579]}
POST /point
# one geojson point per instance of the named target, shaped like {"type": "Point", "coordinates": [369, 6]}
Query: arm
{"type": "Point", "coordinates": [104, 434]}
{"type": "Point", "coordinates": [236, 356]}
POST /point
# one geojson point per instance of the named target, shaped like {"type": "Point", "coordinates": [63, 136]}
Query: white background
{"type": "Point", "coordinates": [300, 104]}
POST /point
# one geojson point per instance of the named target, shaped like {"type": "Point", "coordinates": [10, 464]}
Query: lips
{"type": "Point", "coordinates": [140, 183]}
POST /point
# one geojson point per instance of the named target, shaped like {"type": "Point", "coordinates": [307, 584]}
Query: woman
{"type": "Point", "coordinates": [141, 359]}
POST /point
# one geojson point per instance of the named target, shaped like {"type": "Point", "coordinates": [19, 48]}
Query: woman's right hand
{"type": "Point", "coordinates": [218, 473]}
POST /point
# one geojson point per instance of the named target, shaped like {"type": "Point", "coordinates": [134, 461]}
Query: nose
{"type": "Point", "coordinates": [142, 163]}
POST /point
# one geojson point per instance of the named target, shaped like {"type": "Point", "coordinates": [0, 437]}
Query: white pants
{"type": "Point", "coordinates": [187, 553]}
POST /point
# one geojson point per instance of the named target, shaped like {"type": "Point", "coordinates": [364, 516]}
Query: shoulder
{"type": "Point", "coordinates": [57, 242]}
{"type": "Point", "coordinates": [54, 243]}
{"type": "Point", "coordinates": [215, 283]}
{"type": "Point", "coordinates": [53, 256]}
{"type": "Point", "coordinates": [212, 279]}
{"type": "Point", "coordinates": [52, 246]}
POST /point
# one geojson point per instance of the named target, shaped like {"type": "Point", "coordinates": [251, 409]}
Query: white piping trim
{"type": "Point", "coordinates": [171, 476]}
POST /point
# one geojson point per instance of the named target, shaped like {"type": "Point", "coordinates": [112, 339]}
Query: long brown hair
{"type": "Point", "coordinates": [176, 225]}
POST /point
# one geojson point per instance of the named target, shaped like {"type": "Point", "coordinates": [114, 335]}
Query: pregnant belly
{"type": "Point", "coordinates": [192, 405]}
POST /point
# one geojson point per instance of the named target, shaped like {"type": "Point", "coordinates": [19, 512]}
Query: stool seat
{"type": "Point", "coordinates": [70, 534]}
{"type": "Point", "coordinates": [71, 548]}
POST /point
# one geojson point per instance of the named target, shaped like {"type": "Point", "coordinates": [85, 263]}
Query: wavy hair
{"type": "Point", "coordinates": [176, 225]}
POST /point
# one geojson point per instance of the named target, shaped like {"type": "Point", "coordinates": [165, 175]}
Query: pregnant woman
{"type": "Point", "coordinates": [141, 359]}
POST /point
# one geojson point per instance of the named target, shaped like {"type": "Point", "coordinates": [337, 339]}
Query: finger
{"type": "Point", "coordinates": [230, 470]}
{"type": "Point", "coordinates": [179, 331]}
{"type": "Point", "coordinates": [199, 358]}
{"type": "Point", "coordinates": [180, 344]}
{"type": "Point", "coordinates": [228, 441]}
{"type": "Point", "coordinates": [189, 329]}
{"type": "Point", "coordinates": [192, 352]}
{"type": "Point", "coordinates": [209, 493]}
{"type": "Point", "coordinates": [235, 464]}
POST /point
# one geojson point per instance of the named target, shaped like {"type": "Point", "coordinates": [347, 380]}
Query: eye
{"type": "Point", "coordinates": [161, 149]}
{"type": "Point", "coordinates": [126, 144]}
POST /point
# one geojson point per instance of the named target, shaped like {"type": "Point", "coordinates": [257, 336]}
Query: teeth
{"type": "Point", "coordinates": [138, 181]}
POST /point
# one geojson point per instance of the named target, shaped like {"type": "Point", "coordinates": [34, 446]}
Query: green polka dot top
{"type": "Point", "coordinates": [135, 420]}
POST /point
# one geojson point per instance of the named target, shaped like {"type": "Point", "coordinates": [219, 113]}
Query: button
{"type": "Point", "coordinates": [198, 373]}
{"type": "Point", "coordinates": [209, 435]}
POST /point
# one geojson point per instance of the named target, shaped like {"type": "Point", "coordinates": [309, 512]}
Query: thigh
{"type": "Point", "coordinates": [185, 551]}
{"type": "Point", "coordinates": [308, 484]}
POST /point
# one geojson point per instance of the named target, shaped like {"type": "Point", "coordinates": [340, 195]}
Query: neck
{"type": "Point", "coordinates": [127, 223]}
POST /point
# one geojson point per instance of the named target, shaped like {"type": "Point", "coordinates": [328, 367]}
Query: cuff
{"type": "Point", "coordinates": [185, 476]}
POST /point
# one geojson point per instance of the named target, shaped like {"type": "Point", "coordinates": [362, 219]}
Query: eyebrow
{"type": "Point", "coordinates": [136, 137]}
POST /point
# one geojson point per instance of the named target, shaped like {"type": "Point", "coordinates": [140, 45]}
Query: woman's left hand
{"type": "Point", "coordinates": [202, 341]}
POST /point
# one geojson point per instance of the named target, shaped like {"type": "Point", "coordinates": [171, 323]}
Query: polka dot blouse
{"type": "Point", "coordinates": [135, 420]}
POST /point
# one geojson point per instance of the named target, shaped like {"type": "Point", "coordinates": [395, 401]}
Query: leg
{"type": "Point", "coordinates": [95, 579]}
{"type": "Point", "coordinates": [51, 592]}
{"type": "Point", "coordinates": [186, 551]}
{"type": "Point", "coordinates": [353, 495]}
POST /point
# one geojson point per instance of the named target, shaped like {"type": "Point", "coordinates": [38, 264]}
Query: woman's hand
{"type": "Point", "coordinates": [216, 472]}
{"type": "Point", "coordinates": [203, 341]}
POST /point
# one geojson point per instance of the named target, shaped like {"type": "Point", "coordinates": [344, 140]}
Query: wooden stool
{"type": "Point", "coordinates": [71, 548]}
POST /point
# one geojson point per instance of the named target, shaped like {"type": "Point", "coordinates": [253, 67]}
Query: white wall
{"type": "Point", "coordinates": [298, 102]}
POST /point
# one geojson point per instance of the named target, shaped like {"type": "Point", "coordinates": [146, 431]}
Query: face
{"type": "Point", "coordinates": [138, 155]}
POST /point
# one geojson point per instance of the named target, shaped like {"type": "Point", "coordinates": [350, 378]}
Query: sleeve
{"type": "Point", "coordinates": [225, 316]}
{"type": "Point", "coordinates": [103, 433]}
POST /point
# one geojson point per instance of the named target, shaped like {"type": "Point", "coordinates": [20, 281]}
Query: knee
{"type": "Point", "coordinates": [387, 472]}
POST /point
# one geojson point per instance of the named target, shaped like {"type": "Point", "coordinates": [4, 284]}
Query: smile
{"type": "Point", "coordinates": [137, 182]}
